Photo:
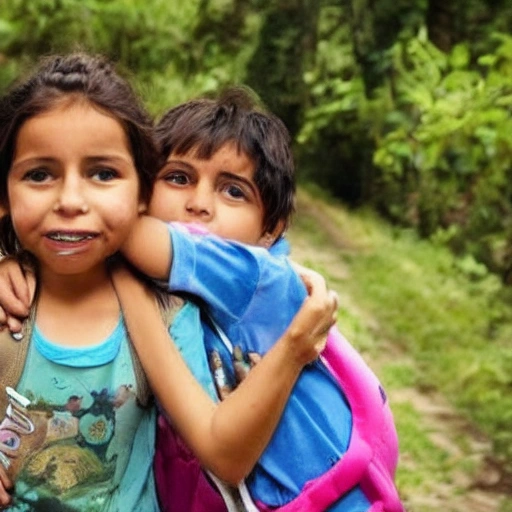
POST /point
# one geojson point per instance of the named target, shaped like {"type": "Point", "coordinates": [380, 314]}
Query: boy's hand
{"type": "Point", "coordinates": [307, 332]}
{"type": "Point", "coordinates": [17, 289]}
{"type": "Point", "coordinates": [5, 487]}
{"type": "Point", "coordinates": [317, 315]}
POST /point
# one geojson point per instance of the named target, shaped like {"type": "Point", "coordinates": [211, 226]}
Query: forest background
{"type": "Point", "coordinates": [400, 112]}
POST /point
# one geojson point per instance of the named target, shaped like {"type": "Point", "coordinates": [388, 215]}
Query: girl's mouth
{"type": "Point", "coordinates": [69, 242]}
{"type": "Point", "coordinates": [70, 237]}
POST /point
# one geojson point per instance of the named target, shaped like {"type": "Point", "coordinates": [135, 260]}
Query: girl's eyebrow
{"type": "Point", "coordinates": [114, 158]}
{"type": "Point", "coordinates": [38, 160]}
{"type": "Point", "coordinates": [31, 161]}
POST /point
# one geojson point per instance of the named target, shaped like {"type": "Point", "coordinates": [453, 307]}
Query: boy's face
{"type": "Point", "coordinates": [219, 193]}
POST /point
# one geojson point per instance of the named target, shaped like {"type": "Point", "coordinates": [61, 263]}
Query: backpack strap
{"type": "Point", "coordinates": [13, 352]}
{"type": "Point", "coordinates": [169, 307]}
{"type": "Point", "coordinates": [236, 499]}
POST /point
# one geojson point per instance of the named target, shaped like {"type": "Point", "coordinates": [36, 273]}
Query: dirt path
{"type": "Point", "coordinates": [476, 482]}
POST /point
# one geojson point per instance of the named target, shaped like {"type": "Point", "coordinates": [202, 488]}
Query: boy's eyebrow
{"type": "Point", "coordinates": [236, 177]}
{"type": "Point", "coordinates": [223, 174]}
{"type": "Point", "coordinates": [174, 161]}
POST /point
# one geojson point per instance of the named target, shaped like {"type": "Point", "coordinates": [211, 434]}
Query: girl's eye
{"type": "Point", "coordinates": [177, 178]}
{"type": "Point", "coordinates": [104, 174]}
{"type": "Point", "coordinates": [37, 175]}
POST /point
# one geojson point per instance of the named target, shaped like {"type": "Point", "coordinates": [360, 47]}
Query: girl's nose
{"type": "Point", "coordinates": [71, 198]}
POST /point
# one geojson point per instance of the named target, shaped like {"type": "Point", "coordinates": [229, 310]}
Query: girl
{"type": "Point", "coordinates": [75, 160]}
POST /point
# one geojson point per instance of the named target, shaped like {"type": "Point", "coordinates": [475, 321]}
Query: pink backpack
{"type": "Point", "coordinates": [181, 483]}
{"type": "Point", "coordinates": [369, 462]}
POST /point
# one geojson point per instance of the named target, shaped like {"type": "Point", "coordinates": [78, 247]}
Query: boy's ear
{"type": "Point", "coordinates": [269, 237]}
{"type": "Point", "coordinates": [142, 208]}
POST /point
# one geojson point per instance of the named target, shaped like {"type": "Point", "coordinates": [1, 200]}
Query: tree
{"type": "Point", "coordinates": [287, 42]}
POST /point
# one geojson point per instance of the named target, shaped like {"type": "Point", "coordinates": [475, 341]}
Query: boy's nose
{"type": "Point", "coordinates": [200, 203]}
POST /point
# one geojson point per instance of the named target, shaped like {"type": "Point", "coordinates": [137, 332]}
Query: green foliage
{"type": "Point", "coordinates": [451, 317]}
{"type": "Point", "coordinates": [141, 38]}
{"type": "Point", "coordinates": [164, 42]}
{"type": "Point", "coordinates": [448, 320]}
{"type": "Point", "coordinates": [334, 117]}
{"type": "Point", "coordinates": [447, 161]}
{"type": "Point", "coordinates": [428, 141]}
{"type": "Point", "coordinates": [381, 115]}
{"type": "Point", "coordinates": [276, 69]}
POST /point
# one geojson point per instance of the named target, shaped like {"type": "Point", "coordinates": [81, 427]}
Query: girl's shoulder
{"type": "Point", "coordinates": [170, 305]}
{"type": "Point", "coordinates": [182, 315]}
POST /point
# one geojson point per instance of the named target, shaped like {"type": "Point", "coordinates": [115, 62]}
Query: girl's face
{"type": "Point", "coordinates": [219, 193]}
{"type": "Point", "coordinates": [73, 190]}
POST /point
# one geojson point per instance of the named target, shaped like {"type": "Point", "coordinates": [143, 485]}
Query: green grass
{"type": "Point", "coordinates": [441, 324]}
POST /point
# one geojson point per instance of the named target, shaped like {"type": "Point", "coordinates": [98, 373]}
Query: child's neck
{"type": "Point", "coordinates": [77, 310]}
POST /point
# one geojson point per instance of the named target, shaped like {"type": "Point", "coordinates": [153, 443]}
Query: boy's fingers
{"type": "Point", "coordinates": [335, 301]}
{"type": "Point", "coordinates": [11, 322]}
{"type": "Point", "coordinates": [14, 324]}
{"type": "Point", "coordinates": [15, 287]}
{"type": "Point", "coordinates": [20, 285]}
{"type": "Point", "coordinates": [5, 499]}
{"type": "Point", "coordinates": [31, 286]}
{"type": "Point", "coordinates": [313, 281]}
{"type": "Point", "coordinates": [11, 304]}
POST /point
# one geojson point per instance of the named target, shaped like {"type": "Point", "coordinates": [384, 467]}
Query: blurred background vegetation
{"type": "Point", "coordinates": [402, 107]}
{"type": "Point", "coordinates": [400, 104]}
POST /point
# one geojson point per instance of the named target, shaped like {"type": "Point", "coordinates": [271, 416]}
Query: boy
{"type": "Point", "coordinates": [229, 171]}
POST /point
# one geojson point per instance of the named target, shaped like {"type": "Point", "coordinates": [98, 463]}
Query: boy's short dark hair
{"type": "Point", "coordinates": [205, 125]}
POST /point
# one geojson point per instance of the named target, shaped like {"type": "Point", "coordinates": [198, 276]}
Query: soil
{"type": "Point", "coordinates": [478, 482]}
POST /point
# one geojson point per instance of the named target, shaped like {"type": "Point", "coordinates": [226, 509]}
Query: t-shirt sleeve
{"type": "Point", "coordinates": [224, 274]}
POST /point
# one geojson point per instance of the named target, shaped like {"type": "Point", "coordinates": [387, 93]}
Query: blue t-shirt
{"type": "Point", "coordinates": [253, 296]}
{"type": "Point", "coordinates": [89, 444]}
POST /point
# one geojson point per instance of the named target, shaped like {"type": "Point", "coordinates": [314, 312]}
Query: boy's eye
{"type": "Point", "coordinates": [37, 175]}
{"type": "Point", "coordinates": [104, 174]}
{"type": "Point", "coordinates": [234, 191]}
{"type": "Point", "coordinates": [178, 178]}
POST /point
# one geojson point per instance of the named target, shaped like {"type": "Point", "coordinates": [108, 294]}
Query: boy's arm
{"type": "Point", "coordinates": [228, 437]}
{"type": "Point", "coordinates": [149, 248]}
{"type": "Point", "coordinates": [156, 249]}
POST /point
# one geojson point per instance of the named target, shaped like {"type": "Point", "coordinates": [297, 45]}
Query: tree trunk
{"type": "Point", "coordinates": [441, 24]}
